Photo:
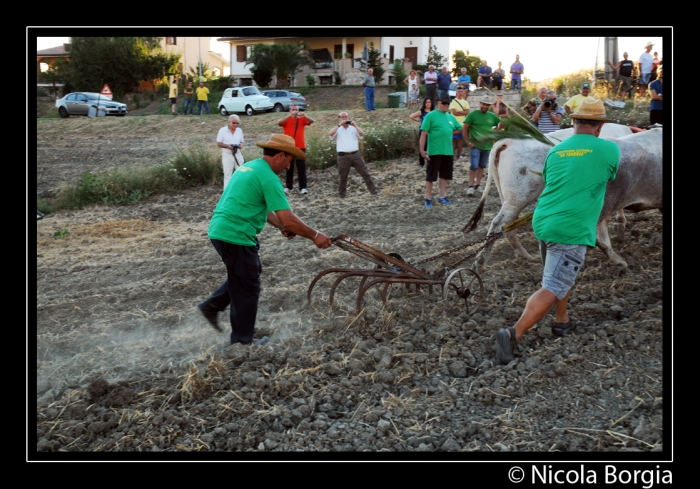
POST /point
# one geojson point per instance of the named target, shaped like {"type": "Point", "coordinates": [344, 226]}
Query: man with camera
{"type": "Point", "coordinates": [293, 125]}
{"type": "Point", "coordinates": [230, 140]}
{"type": "Point", "coordinates": [346, 135]}
{"type": "Point", "coordinates": [548, 115]}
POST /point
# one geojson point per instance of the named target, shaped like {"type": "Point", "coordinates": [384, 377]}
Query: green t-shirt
{"type": "Point", "coordinates": [478, 122]}
{"type": "Point", "coordinates": [440, 126]}
{"type": "Point", "coordinates": [575, 174]}
{"type": "Point", "coordinates": [253, 191]}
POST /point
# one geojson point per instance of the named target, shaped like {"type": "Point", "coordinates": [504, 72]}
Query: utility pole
{"type": "Point", "coordinates": [199, 47]}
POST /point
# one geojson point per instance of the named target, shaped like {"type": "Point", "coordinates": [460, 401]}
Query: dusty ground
{"type": "Point", "coordinates": [126, 363]}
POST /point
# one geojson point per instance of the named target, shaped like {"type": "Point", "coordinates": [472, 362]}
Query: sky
{"type": "Point", "coordinates": [562, 55]}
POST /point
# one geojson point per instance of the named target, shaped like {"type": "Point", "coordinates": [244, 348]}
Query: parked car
{"type": "Point", "coordinates": [453, 89]}
{"type": "Point", "coordinates": [243, 99]}
{"type": "Point", "coordinates": [79, 103]}
{"type": "Point", "coordinates": [284, 98]}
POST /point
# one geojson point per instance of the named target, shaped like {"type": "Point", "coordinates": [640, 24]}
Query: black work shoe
{"type": "Point", "coordinates": [210, 314]}
{"type": "Point", "coordinates": [506, 344]}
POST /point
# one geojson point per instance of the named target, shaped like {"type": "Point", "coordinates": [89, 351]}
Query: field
{"type": "Point", "coordinates": [126, 363]}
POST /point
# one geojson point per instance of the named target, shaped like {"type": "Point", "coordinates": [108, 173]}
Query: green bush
{"type": "Point", "coordinates": [310, 80]}
{"type": "Point", "coordinates": [40, 92]}
{"type": "Point", "coordinates": [220, 84]}
{"type": "Point", "coordinates": [190, 167]}
{"type": "Point", "coordinates": [43, 206]}
{"type": "Point", "coordinates": [320, 152]}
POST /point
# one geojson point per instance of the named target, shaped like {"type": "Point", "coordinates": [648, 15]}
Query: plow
{"type": "Point", "coordinates": [455, 282]}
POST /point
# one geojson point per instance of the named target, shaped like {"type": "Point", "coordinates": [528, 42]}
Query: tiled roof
{"type": "Point", "coordinates": [57, 51]}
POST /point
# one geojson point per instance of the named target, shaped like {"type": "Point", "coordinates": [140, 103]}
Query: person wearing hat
{"type": "Point", "coordinates": [575, 102]}
{"type": "Point", "coordinates": [575, 174]}
{"type": "Point", "coordinates": [346, 135]}
{"type": "Point", "coordinates": [253, 197]}
{"type": "Point", "coordinates": [475, 124]}
{"type": "Point", "coordinates": [646, 63]}
{"type": "Point", "coordinates": [437, 130]}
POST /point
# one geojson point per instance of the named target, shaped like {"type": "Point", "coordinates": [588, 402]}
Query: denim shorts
{"type": "Point", "coordinates": [562, 263]}
{"type": "Point", "coordinates": [478, 158]}
{"type": "Point", "coordinates": [644, 79]}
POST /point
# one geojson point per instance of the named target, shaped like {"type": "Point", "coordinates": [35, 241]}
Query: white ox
{"type": "Point", "coordinates": [515, 166]}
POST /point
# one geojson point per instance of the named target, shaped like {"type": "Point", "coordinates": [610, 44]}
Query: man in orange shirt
{"type": "Point", "coordinates": [293, 125]}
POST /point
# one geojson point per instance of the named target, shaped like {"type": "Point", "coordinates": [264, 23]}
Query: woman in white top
{"type": "Point", "coordinates": [409, 81]}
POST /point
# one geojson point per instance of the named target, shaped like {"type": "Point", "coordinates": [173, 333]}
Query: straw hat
{"type": "Point", "coordinates": [592, 110]}
{"type": "Point", "coordinates": [648, 44]}
{"type": "Point", "coordinates": [284, 143]}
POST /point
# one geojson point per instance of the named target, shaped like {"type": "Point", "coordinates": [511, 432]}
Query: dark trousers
{"type": "Point", "coordinates": [241, 289]}
{"type": "Point", "coordinates": [431, 93]}
{"type": "Point", "coordinates": [301, 170]}
{"type": "Point", "coordinates": [350, 160]}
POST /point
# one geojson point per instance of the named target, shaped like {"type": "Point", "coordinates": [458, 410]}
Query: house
{"type": "Point", "coordinates": [337, 54]}
{"type": "Point", "coordinates": [190, 48]}
{"type": "Point", "coordinates": [44, 59]}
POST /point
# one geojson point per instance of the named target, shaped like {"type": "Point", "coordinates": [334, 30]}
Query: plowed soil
{"type": "Point", "coordinates": [126, 363]}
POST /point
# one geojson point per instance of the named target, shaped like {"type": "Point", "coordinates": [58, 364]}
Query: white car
{"type": "Point", "coordinates": [244, 99]}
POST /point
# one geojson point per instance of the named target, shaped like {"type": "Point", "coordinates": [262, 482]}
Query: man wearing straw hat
{"type": "Point", "coordinates": [253, 196]}
{"type": "Point", "coordinates": [646, 64]}
{"type": "Point", "coordinates": [575, 175]}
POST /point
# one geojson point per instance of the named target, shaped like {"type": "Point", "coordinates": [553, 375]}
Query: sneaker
{"type": "Point", "coordinates": [444, 201]}
{"type": "Point", "coordinates": [210, 314]}
{"type": "Point", "coordinates": [303, 191]}
{"type": "Point", "coordinates": [506, 344]}
{"type": "Point", "coordinates": [428, 203]}
{"type": "Point", "coordinates": [470, 192]}
{"type": "Point", "coordinates": [287, 190]}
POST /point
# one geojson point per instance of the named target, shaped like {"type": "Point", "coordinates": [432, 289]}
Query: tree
{"type": "Point", "coordinates": [281, 60]}
{"type": "Point", "coordinates": [433, 58]}
{"type": "Point", "coordinates": [57, 72]}
{"type": "Point", "coordinates": [121, 62]}
{"type": "Point", "coordinates": [374, 61]}
{"type": "Point", "coordinates": [399, 74]}
{"type": "Point", "coordinates": [461, 59]}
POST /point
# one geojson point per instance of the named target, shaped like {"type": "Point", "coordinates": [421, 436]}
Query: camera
{"type": "Point", "coordinates": [348, 122]}
{"type": "Point", "coordinates": [235, 148]}
{"type": "Point", "coordinates": [550, 104]}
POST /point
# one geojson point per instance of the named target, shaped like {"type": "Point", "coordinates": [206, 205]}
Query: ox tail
{"type": "Point", "coordinates": [479, 211]}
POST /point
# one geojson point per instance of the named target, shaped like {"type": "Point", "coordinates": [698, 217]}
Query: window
{"type": "Point", "coordinates": [241, 53]}
{"type": "Point", "coordinates": [171, 41]}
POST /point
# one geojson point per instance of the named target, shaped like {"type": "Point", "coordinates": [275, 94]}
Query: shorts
{"type": "Point", "coordinates": [644, 79]}
{"type": "Point", "coordinates": [173, 101]}
{"type": "Point", "coordinates": [626, 83]}
{"type": "Point", "coordinates": [478, 158]}
{"type": "Point", "coordinates": [562, 263]}
{"type": "Point", "coordinates": [458, 136]}
{"type": "Point", "coordinates": [439, 165]}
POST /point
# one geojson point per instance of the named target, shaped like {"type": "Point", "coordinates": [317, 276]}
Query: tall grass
{"type": "Point", "coordinates": [193, 166]}
{"type": "Point", "coordinates": [387, 142]}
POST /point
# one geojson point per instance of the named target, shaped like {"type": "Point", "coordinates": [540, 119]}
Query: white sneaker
{"type": "Point", "coordinates": [287, 191]}
{"type": "Point", "coordinates": [303, 191]}
{"type": "Point", "coordinates": [470, 191]}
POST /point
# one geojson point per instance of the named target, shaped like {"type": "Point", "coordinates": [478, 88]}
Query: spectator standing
{"type": "Point", "coordinates": [253, 198]}
{"type": "Point", "coordinates": [575, 175]}
{"type": "Point", "coordinates": [430, 79]}
{"type": "Point", "coordinates": [173, 96]}
{"type": "Point", "coordinates": [347, 134]}
{"type": "Point", "coordinates": [626, 67]}
{"type": "Point", "coordinates": [230, 140]}
{"type": "Point", "coordinates": [368, 83]}
{"type": "Point", "coordinates": [485, 72]}
{"type": "Point", "coordinates": [548, 115]}
{"type": "Point", "coordinates": [202, 98]}
{"type": "Point", "coordinates": [189, 100]}
{"type": "Point", "coordinates": [475, 124]}
{"type": "Point", "coordinates": [437, 130]}
{"type": "Point", "coordinates": [575, 102]}
{"type": "Point", "coordinates": [646, 63]}
{"type": "Point", "coordinates": [443, 82]}
{"type": "Point", "coordinates": [656, 88]}
{"type": "Point", "coordinates": [516, 71]}
{"type": "Point", "coordinates": [464, 80]}
{"type": "Point", "coordinates": [498, 75]}
{"type": "Point", "coordinates": [459, 107]}
{"type": "Point", "coordinates": [293, 125]}
{"type": "Point", "coordinates": [419, 116]}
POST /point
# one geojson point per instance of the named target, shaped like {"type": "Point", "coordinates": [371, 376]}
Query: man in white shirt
{"type": "Point", "coordinates": [646, 63]}
{"type": "Point", "coordinates": [346, 135]}
{"type": "Point", "coordinates": [230, 140]}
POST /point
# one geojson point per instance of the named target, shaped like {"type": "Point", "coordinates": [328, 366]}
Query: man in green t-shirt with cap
{"type": "Point", "coordinates": [575, 174]}
{"type": "Point", "coordinates": [253, 196]}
